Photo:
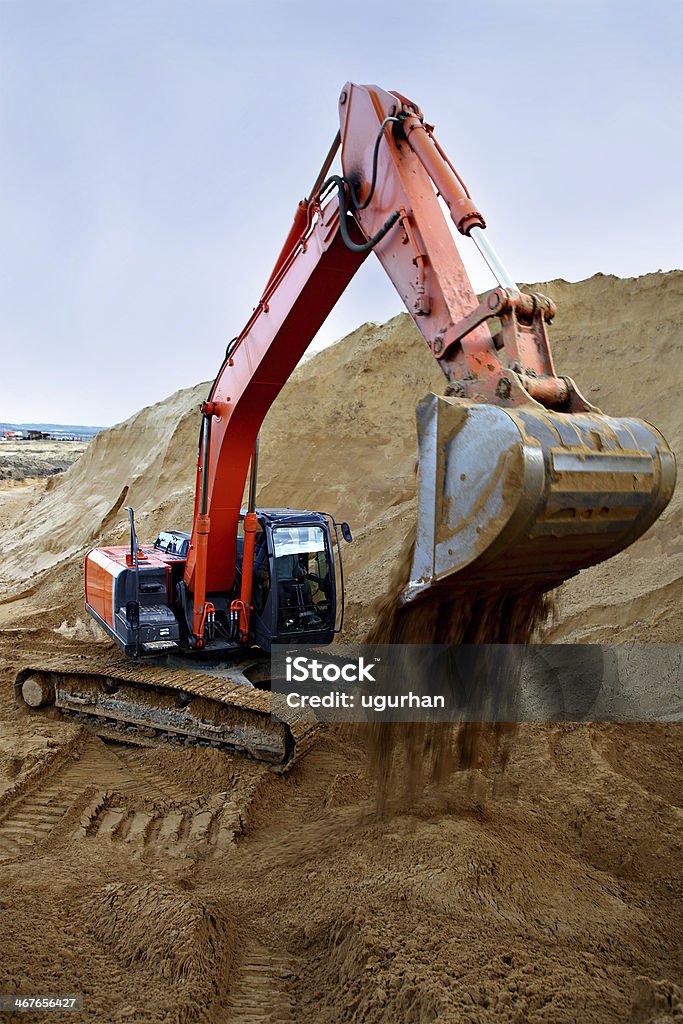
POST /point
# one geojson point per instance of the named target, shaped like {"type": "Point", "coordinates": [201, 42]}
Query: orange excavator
{"type": "Point", "coordinates": [521, 480]}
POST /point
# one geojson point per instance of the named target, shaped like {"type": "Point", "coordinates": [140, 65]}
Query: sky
{"type": "Point", "coordinates": [153, 154]}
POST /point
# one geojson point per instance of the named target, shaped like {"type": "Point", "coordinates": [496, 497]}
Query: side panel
{"type": "Point", "coordinates": [100, 577]}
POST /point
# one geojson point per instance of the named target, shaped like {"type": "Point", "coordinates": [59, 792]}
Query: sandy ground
{"type": "Point", "coordinates": [175, 884]}
{"type": "Point", "coordinates": [26, 459]}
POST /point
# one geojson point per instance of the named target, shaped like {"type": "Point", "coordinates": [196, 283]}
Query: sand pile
{"type": "Point", "coordinates": [146, 461]}
{"type": "Point", "coordinates": [177, 939]}
{"type": "Point", "coordinates": [341, 438]}
{"type": "Point", "coordinates": [168, 883]}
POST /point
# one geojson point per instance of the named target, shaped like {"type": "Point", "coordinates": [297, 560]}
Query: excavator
{"type": "Point", "coordinates": [521, 480]}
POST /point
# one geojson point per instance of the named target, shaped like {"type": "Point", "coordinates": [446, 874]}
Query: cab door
{"type": "Point", "coordinates": [303, 590]}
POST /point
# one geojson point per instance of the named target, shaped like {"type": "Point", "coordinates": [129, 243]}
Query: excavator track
{"type": "Point", "coordinates": [157, 701]}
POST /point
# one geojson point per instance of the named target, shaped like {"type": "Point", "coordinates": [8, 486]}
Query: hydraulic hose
{"type": "Point", "coordinates": [375, 155]}
{"type": "Point", "coordinates": [343, 224]}
{"type": "Point", "coordinates": [342, 184]}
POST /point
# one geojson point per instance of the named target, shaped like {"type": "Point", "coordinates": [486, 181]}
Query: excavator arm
{"type": "Point", "coordinates": [515, 466]}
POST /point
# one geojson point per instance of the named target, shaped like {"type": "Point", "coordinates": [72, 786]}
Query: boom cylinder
{"type": "Point", "coordinates": [243, 605]}
{"type": "Point", "coordinates": [206, 446]}
{"type": "Point", "coordinates": [301, 217]}
{"type": "Point", "coordinates": [202, 534]}
{"type": "Point", "coordinates": [251, 506]}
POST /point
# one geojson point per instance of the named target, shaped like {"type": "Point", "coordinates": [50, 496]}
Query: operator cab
{"type": "Point", "coordinates": [296, 578]}
{"type": "Point", "coordinates": [139, 597]}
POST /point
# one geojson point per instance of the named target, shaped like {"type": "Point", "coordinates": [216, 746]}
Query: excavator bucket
{"type": "Point", "coordinates": [530, 495]}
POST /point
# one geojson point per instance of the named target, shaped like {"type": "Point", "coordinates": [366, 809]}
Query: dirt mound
{"type": "Point", "coordinates": [146, 462]}
{"type": "Point", "coordinates": [162, 881]}
{"type": "Point", "coordinates": [186, 944]}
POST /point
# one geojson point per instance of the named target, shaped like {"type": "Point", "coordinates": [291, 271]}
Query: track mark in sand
{"type": "Point", "coordinates": [34, 815]}
{"type": "Point", "coordinates": [133, 759]}
{"type": "Point", "coordinates": [261, 994]}
{"type": "Point", "coordinates": [195, 832]}
{"type": "Point", "coordinates": [112, 793]}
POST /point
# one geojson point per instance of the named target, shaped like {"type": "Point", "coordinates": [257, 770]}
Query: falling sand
{"type": "Point", "coordinates": [407, 757]}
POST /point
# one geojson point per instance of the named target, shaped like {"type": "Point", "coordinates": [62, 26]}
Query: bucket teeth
{"type": "Point", "coordinates": [528, 494]}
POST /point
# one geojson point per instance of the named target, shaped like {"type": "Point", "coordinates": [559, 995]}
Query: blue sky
{"type": "Point", "coordinates": [153, 154]}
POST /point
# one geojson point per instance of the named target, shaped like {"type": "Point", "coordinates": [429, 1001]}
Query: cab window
{"type": "Point", "coordinates": [304, 580]}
